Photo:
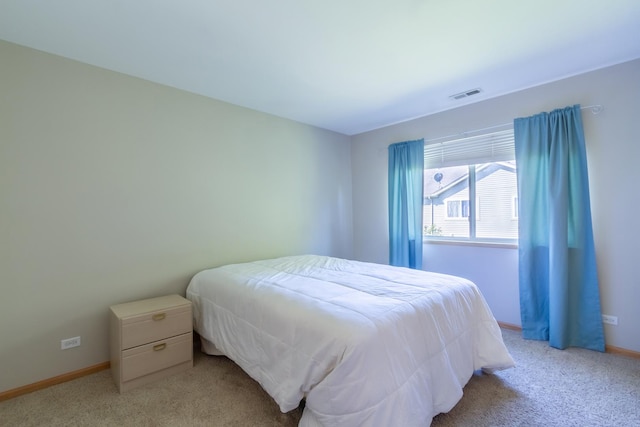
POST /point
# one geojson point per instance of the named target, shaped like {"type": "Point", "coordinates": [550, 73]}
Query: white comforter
{"type": "Point", "coordinates": [366, 344]}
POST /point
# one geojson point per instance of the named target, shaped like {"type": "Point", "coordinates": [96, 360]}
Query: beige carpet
{"type": "Point", "coordinates": [548, 388]}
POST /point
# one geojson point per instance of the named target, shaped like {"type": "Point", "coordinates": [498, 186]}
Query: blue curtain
{"type": "Point", "coordinates": [406, 169]}
{"type": "Point", "coordinates": [559, 295]}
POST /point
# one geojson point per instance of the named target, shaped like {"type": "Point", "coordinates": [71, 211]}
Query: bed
{"type": "Point", "coordinates": [364, 344]}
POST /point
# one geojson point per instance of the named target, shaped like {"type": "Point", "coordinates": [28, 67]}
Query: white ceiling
{"type": "Point", "coordinates": [345, 65]}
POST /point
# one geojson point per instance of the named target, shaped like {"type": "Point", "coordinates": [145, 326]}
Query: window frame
{"type": "Point", "coordinates": [452, 153]}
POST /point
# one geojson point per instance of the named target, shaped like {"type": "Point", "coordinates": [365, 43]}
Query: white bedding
{"type": "Point", "coordinates": [366, 344]}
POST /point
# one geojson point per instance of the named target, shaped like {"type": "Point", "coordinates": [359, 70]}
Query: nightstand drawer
{"type": "Point", "coordinates": [158, 355]}
{"type": "Point", "coordinates": [148, 327]}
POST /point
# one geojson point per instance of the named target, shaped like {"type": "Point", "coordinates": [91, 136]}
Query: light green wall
{"type": "Point", "coordinates": [612, 150]}
{"type": "Point", "coordinates": [113, 188]}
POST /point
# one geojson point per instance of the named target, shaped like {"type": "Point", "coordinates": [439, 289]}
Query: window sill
{"type": "Point", "coordinates": [476, 243]}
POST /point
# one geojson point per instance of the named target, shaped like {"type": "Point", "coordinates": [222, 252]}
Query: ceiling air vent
{"type": "Point", "coordinates": [466, 93]}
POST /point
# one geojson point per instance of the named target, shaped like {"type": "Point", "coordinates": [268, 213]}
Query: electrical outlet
{"type": "Point", "coordinates": [69, 343]}
{"type": "Point", "coordinates": [612, 320]}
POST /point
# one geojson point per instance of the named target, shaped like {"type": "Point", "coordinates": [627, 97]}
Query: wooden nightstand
{"type": "Point", "coordinates": [150, 339]}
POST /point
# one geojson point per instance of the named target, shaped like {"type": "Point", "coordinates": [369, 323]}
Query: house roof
{"type": "Point", "coordinates": [456, 175]}
{"type": "Point", "coordinates": [348, 66]}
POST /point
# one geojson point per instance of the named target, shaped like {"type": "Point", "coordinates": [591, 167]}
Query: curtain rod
{"type": "Point", "coordinates": [595, 109]}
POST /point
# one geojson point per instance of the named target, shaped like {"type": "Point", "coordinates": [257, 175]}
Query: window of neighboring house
{"type": "Point", "coordinates": [457, 209]}
{"type": "Point", "coordinates": [458, 174]}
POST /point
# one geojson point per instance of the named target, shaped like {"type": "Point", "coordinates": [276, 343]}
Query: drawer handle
{"type": "Point", "coordinates": [159, 347]}
{"type": "Point", "coordinates": [159, 316]}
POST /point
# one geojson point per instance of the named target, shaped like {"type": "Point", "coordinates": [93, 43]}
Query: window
{"type": "Point", "coordinates": [457, 209]}
{"type": "Point", "coordinates": [470, 189]}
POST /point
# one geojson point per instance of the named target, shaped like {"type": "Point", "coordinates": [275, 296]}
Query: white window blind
{"type": "Point", "coordinates": [490, 147]}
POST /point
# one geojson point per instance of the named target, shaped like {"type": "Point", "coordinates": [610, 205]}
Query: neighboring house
{"type": "Point", "coordinates": [446, 201]}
